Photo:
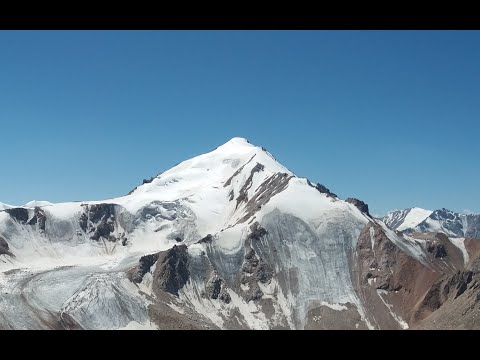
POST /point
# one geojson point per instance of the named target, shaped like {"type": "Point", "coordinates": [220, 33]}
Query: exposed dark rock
{"type": "Point", "coordinates": [322, 189]}
{"type": "Point", "coordinates": [257, 232]}
{"type": "Point", "coordinates": [216, 289]}
{"type": "Point", "coordinates": [359, 204]}
{"type": "Point", "coordinates": [453, 300]}
{"type": "Point", "coordinates": [38, 218]}
{"type": "Point", "coordinates": [243, 195]}
{"type": "Point", "coordinates": [250, 255]}
{"type": "Point", "coordinates": [254, 268]}
{"type": "Point", "coordinates": [148, 181]}
{"type": "Point", "coordinates": [254, 293]}
{"type": "Point", "coordinates": [206, 240]}
{"type": "Point", "coordinates": [4, 249]}
{"type": "Point", "coordinates": [83, 222]}
{"type": "Point", "coordinates": [103, 230]}
{"type": "Point", "coordinates": [395, 218]}
{"type": "Point", "coordinates": [214, 286]}
{"type": "Point", "coordinates": [272, 186]}
{"type": "Point", "coordinates": [448, 286]}
{"type": "Point", "coordinates": [99, 221]}
{"type": "Point", "coordinates": [99, 212]}
{"type": "Point", "coordinates": [229, 181]}
{"type": "Point", "coordinates": [434, 298]}
{"type": "Point", "coordinates": [263, 272]}
{"type": "Point", "coordinates": [225, 297]}
{"type": "Point", "coordinates": [442, 214]}
{"type": "Point", "coordinates": [473, 227]}
{"type": "Point", "coordinates": [464, 278]}
{"type": "Point", "coordinates": [144, 265]}
{"type": "Point", "coordinates": [436, 249]}
{"type": "Point", "coordinates": [178, 239]}
{"type": "Point", "coordinates": [19, 214]}
{"type": "Point", "coordinates": [172, 272]}
{"type": "Point", "coordinates": [145, 181]}
{"type": "Point", "coordinates": [250, 264]}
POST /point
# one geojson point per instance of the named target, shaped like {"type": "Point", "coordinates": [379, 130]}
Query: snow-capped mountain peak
{"type": "Point", "coordinates": [233, 162]}
{"type": "Point", "coordinates": [406, 219]}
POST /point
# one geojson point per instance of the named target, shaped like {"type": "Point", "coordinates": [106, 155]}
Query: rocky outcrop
{"type": "Point", "coordinates": [144, 266]}
{"type": "Point", "coordinates": [243, 195]}
{"type": "Point", "coordinates": [216, 289]}
{"type": "Point", "coordinates": [4, 249]}
{"type": "Point", "coordinates": [389, 281]}
{"type": "Point", "coordinates": [19, 214]}
{"type": "Point", "coordinates": [206, 240]}
{"type": "Point", "coordinates": [22, 215]}
{"type": "Point", "coordinates": [473, 226]}
{"type": "Point", "coordinates": [453, 302]}
{"type": "Point", "coordinates": [322, 189]}
{"type": "Point", "coordinates": [443, 256]}
{"type": "Point", "coordinates": [145, 181]}
{"type": "Point", "coordinates": [172, 271]}
{"type": "Point", "coordinates": [395, 218]}
{"type": "Point", "coordinates": [414, 289]}
{"type": "Point", "coordinates": [436, 249]}
{"type": "Point", "coordinates": [450, 221]}
{"type": "Point", "coordinates": [239, 170]}
{"type": "Point", "coordinates": [39, 218]}
{"type": "Point", "coordinates": [254, 269]}
{"type": "Point", "coordinates": [99, 222]}
{"type": "Point", "coordinates": [272, 186]}
{"type": "Point", "coordinates": [363, 207]}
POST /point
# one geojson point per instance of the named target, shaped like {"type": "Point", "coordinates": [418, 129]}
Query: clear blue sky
{"type": "Point", "coordinates": [390, 117]}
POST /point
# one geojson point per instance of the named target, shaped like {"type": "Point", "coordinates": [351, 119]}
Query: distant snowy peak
{"type": "Point", "coordinates": [406, 219]}
{"type": "Point", "coordinates": [442, 220]}
{"type": "Point", "coordinates": [452, 224]}
{"type": "Point", "coordinates": [5, 206]}
{"type": "Point", "coordinates": [30, 205]}
{"type": "Point", "coordinates": [37, 203]}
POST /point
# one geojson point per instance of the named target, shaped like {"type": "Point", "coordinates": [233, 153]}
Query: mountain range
{"type": "Point", "coordinates": [232, 239]}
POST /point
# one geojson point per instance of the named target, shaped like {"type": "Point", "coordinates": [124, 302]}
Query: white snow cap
{"type": "Point", "coordinates": [37, 203]}
{"type": "Point", "coordinates": [238, 140]}
{"type": "Point", "coordinates": [4, 206]}
{"type": "Point", "coordinates": [414, 217]}
{"type": "Point", "coordinates": [30, 205]}
{"type": "Point", "coordinates": [236, 144]}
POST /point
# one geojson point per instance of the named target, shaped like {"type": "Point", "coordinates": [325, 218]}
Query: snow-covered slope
{"type": "Point", "coordinates": [406, 219]}
{"type": "Point", "coordinates": [31, 204]}
{"type": "Point", "coordinates": [4, 206]}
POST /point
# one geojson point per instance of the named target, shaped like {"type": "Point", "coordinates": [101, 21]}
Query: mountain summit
{"type": "Point", "coordinates": [230, 239]}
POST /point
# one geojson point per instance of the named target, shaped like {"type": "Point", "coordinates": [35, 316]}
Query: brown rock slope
{"type": "Point", "coordinates": [423, 285]}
